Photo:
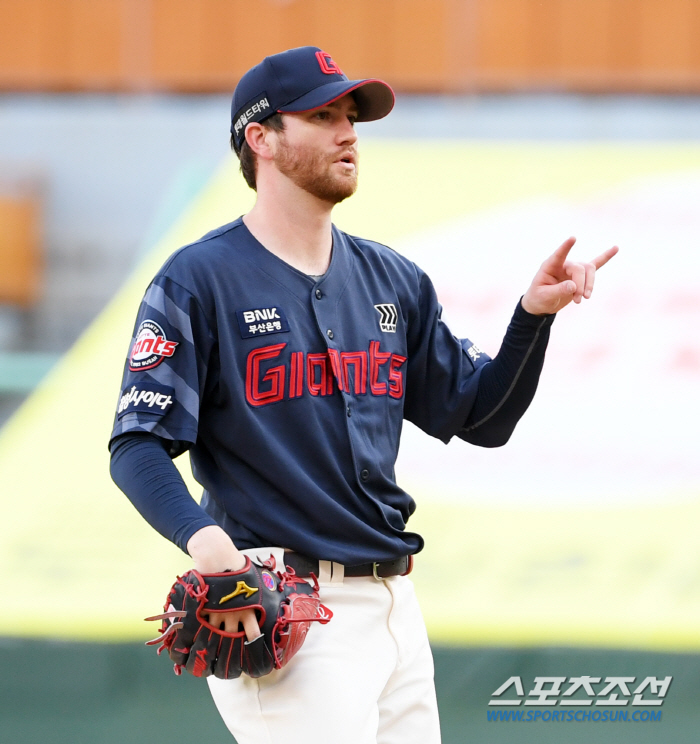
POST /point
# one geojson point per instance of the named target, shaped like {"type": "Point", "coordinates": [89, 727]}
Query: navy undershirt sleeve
{"type": "Point", "coordinates": [142, 468]}
{"type": "Point", "coordinates": [508, 383]}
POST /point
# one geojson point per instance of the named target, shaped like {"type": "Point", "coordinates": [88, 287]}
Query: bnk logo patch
{"type": "Point", "coordinates": [261, 321]}
{"type": "Point", "coordinates": [151, 347]}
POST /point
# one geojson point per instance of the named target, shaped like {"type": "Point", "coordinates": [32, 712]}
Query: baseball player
{"type": "Point", "coordinates": [284, 355]}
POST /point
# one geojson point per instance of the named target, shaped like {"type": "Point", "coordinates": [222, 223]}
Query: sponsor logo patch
{"type": "Point", "coordinates": [151, 347]}
{"type": "Point", "coordinates": [261, 321]}
{"type": "Point", "coordinates": [387, 317]}
{"type": "Point", "coordinates": [255, 110]}
{"type": "Point", "coordinates": [268, 580]}
{"type": "Point", "coordinates": [145, 397]}
{"type": "Point", "coordinates": [241, 588]}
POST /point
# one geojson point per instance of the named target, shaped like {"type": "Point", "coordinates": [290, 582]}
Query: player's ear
{"type": "Point", "coordinates": [258, 139]}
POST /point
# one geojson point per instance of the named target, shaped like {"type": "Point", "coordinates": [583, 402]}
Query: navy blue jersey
{"type": "Point", "coordinates": [290, 393]}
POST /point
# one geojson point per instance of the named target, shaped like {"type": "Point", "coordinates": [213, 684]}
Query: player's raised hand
{"type": "Point", "coordinates": [560, 281]}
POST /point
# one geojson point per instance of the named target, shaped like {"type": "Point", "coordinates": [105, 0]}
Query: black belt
{"type": "Point", "coordinates": [305, 566]}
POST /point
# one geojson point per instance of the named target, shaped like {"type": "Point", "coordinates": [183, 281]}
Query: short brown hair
{"type": "Point", "coordinates": [247, 157]}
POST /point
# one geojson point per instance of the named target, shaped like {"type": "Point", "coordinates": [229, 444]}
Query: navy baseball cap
{"type": "Point", "coordinates": [298, 80]}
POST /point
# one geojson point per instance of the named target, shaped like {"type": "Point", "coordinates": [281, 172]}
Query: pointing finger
{"type": "Point", "coordinates": [605, 257]}
{"type": "Point", "coordinates": [562, 251]}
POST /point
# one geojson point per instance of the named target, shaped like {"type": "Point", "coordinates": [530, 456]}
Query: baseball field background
{"type": "Point", "coordinates": [571, 551]}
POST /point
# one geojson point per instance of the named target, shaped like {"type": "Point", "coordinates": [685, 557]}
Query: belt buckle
{"type": "Point", "coordinates": [375, 564]}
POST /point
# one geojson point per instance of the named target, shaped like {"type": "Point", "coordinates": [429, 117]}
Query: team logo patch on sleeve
{"type": "Point", "coordinates": [261, 321]}
{"type": "Point", "coordinates": [145, 397]}
{"type": "Point", "coordinates": [151, 347]}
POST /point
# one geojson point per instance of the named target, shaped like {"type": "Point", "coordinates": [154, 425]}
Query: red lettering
{"type": "Point", "coordinates": [296, 374]}
{"type": "Point", "coordinates": [376, 360]}
{"type": "Point", "coordinates": [158, 346]}
{"type": "Point", "coordinates": [350, 369]}
{"type": "Point", "coordinates": [274, 376]}
{"type": "Point", "coordinates": [169, 348]}
{"type": "Point", "coordinates": [358, 360]}
{"type": "Point", "coordinates": [396, 376]}
{"type": "Point", "coordinates": [334, 356]}
{"type": "Point", "coordinates": [320, 362]}
{"type": "Point", "coordinates": [327, 65]}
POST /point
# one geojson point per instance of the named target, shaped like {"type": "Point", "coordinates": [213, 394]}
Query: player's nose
{"type": "Point", "coordinates": [345, 133]}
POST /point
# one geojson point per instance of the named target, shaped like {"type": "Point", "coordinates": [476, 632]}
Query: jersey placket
{"type": "Point", "coordinates": [326, 299]}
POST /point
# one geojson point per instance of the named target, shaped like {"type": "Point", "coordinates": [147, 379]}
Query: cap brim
{"type": "Point", "coordinates": [374, 98]}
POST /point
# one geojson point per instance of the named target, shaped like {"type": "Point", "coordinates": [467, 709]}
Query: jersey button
{"type": "Point", "coordinates": [329, 333]}
{"type": "Point", "coordinates": [319, 294]}
{"type": "Point", "coordinates": [349, 412]}
{"type": "Point", "coordinates": [364, 474]}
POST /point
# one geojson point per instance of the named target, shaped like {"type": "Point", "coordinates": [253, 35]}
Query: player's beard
{"type": "Point", "coordinates": [313, 172]}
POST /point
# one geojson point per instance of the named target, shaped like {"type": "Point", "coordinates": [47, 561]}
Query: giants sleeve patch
{"type": "Point", "coordinates": [261, 321]}
{"type": "Point", "coordinates": [150, 347]}
{"type": "Point", "coordinates": [145, 397]}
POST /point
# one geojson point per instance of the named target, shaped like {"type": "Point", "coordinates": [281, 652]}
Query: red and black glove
{"type": "Point", "coordinates": [285, 605]}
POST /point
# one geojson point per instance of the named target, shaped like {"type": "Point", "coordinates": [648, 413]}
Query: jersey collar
{"type": "Point", "coordinates": [295, 281]}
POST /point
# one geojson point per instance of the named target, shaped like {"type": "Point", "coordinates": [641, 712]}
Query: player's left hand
{"type": "Point", "coordinates": [213, 550]}
{"type": "Point", "coordinates": [560, 281]}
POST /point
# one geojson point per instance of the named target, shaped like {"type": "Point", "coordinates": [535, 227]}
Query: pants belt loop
{"type": "Point", "coordinates": [330, 572]}
{"type": "Point", "coordinates": [338, 573]}
{"type": "Point", "coordinates": [325, 572]}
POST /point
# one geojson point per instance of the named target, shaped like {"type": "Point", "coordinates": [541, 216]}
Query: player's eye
{"type": "Point", "coordinates": [322, 115]}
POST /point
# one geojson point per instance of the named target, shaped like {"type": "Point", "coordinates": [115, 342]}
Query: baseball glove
{"type": "Point", "coordinates": [285, 605]}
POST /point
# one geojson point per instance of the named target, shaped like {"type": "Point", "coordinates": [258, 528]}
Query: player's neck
{"type": "Point", "coordinates": [295, 226]}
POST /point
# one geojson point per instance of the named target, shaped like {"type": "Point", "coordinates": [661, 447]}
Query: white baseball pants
{"type": "Point", "coordinates": [364, 678]}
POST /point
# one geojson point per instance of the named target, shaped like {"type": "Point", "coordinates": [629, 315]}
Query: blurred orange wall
{"type": "Point", "coordinates": [417, 45]}
{"type": "Point", "coordinates": [20, 254]}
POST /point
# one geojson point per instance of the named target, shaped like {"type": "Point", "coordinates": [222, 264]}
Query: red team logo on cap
{"type": "Point", "coordinates": [151, 347]}
{"type": "Point", "coordinates": [327, 65]}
